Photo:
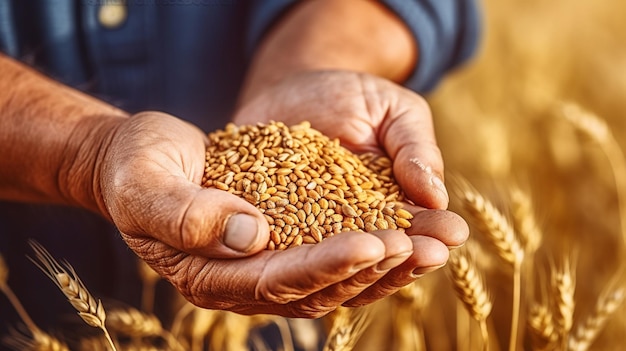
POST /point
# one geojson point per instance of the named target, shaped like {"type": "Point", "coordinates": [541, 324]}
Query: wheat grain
{"type": "Point", "coordinates": [310, 172]}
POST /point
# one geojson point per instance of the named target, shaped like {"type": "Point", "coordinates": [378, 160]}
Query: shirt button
{"type": "Point", "coordinates": [112, 14]}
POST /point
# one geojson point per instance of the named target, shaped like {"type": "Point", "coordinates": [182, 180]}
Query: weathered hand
{"type": "Point", "coordinates": [368, 113]}
{"type": "Point", "coordinates": [209, 244]}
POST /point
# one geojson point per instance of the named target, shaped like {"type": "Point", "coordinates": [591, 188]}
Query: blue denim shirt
{"type": "Point", "coordinates": [185, 57]}
{"type": "Point", "coordinates": [188, 57]}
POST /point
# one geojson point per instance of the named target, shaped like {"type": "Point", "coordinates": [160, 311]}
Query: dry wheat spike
{"type": "Point", "coordinates": [470, 289]}
{"type": "Point", "coordinates": [587, 332]}
{"type": "Point", "coordinates": [524, 220]}
{"type": "Point", "coordinates": [348, 326]}
{"type": "Point", "coordinates": [15, 302]}
{"type": "Point", "coordinates": [469, 285]}
{"type": "Point", "coordinates": [598, 130]}
{"type": "Point", "coordinates": [149, 279]}
{"type": "Point", "coordinates": [66, 279]}
{"type": "Point", "coordinates": [132, 322]}
{"type": "Point", "coordinates": [40, 341]}
{"type": "Point", "coordinates": [564, 287]}
{"type": "Point", "coordinates": [493, 224]}
{"type": "Point", "coordinates": [541, 328]}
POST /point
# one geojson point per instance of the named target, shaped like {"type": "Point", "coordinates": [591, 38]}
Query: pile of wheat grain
{"type": "Point", "coordinates": [307, 186]}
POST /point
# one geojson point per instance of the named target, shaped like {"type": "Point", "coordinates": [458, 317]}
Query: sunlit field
{"type": "Point", "coordinates": [532, 132]}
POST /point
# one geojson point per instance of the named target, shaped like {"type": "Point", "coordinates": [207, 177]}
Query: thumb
{"type": "Point", "coordinates": [198, 221]}
{"type": "Point", "coordinates": [218, 224]}
{"type": "Point", "coordinates": [409, 138]}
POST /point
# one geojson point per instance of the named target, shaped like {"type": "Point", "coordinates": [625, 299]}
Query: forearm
{"type": "Point", "coordinates": [49, 138]}
{"type": "Point", "coordinates": [357, 35]}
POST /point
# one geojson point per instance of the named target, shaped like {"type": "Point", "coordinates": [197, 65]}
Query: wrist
{"type": "Point", "coordinates": [80, 166]}
{"type": "Point", "coordinates": [361, 36]}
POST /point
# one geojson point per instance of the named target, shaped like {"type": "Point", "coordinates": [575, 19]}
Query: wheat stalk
{"type": "Point", "coordinates": [348, 326]}
{"type": "Point", "coordinates": [587, 332]}
{"type": "Point", "coordinates": [134, 323]}
{"type": "Point", "coordinates": [13, 300]}
{"type": "Point", "coordinates": [597, 129]}
{"type": "Point", "coordinates": [494, 225]}
{"type": "Point", "coordinates": [410, 301]}
{"type": "Point", "coordinates": [40, 341]}
{"type": "Point", "coordinates": [65, 278]}
{"type": "Point", "coordinates": [149, 279]}
{"type": "Point", "coordinates": [470, 289]}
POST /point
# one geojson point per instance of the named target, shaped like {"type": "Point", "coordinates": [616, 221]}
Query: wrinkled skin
{"type": "Point", "coordinates": [150, 185]}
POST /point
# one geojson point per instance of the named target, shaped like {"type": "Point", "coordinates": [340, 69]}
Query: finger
{"type": "Point", "coordinates": [408, 136]}
{"type": "Point", "coordinates": [266, 282]}
{"type": "Point", "coordinates": [445, 226]}
{"type": "Point", "coordinates": [398, 247]}
{"type": "Point", "coordinates": [299, 272]}
{"type": "Point", "coordinates": [428, 255]}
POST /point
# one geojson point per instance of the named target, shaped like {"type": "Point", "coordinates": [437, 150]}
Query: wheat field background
{"type": "Point", "coordinates": [500, 123]}
{"type": "Point", "coordinates": [532, 133]}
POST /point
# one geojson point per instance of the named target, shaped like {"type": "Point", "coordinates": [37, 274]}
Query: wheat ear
{"type": "Point", "coordinates": [564, 287]}
{"type": "Point", "coordinates": [470, 289]}
{"type": "Point", "coordinates": [15, 302]}
{"type": "Point", "coordinates": [40, 341]}
{"type": "Point", "coordinates": [348, 326]}
{"type": "Point", "coordinates": [541, 328]}
{"type": "Point", "coordinates": [494, 225]}
{"type": "Point", "coordinates": [524, 221]}
{"type": "Point", "coordinates": [410, 301]}
{"type": "Point", "coordinates": [65, 277]}
{"type": "Point", "coordinates": [134, 323]}
{"type": "Point", "coordinates": [597, 130]}
{"type": "Point", "coordinates": [149, 279]}
{"type": "Point", "coordinates": [587, 332]}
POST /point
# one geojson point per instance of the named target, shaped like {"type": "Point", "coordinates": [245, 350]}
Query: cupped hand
{"type": "Point", "coordinates": [371, 114]}
{"type": "Point", "coordinates": [210, 244]}
{"type": "Point", "coordinates": [368, 114]}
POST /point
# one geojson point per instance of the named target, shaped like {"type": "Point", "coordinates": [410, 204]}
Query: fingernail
{"type": "Point", "coordinates": [392, 262]}
{"type": "Point", "coordinates": [454, 247]}
{"type": "Point", "coordinates": [242, 232]}
{"type": "Point", "coordinates": [420, 271]}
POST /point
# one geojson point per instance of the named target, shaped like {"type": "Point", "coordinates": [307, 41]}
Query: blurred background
{"type": "Point", "coordinates": [500, 123]}
{"type": "Point", "coordinates": [539, 112]}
